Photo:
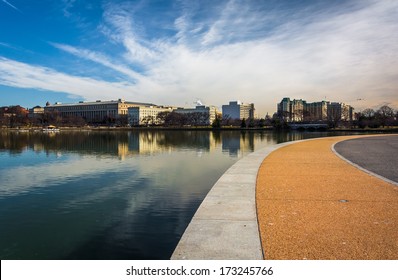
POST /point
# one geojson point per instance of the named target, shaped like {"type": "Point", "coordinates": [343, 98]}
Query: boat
{"type": "Point", "coordinates": [50, 128]}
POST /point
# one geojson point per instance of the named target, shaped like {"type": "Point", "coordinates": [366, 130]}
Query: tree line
{"type": "Point", "coordinates": [15, 116]}
{"type": "Point", "coordinates": [384, 116]}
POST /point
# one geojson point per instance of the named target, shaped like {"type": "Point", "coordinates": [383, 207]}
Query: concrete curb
{"type": "Point", "coordinates": [225, 225]}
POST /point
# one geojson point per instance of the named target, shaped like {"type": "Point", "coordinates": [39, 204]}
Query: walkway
{"type": "Point", "coordinates": [225, 225]}
{"type": "Point", "coordinates": [376, 154]}
{"type": "Point", "coordinates": [311, 204]}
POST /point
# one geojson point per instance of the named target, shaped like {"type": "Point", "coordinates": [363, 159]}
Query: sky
{"type": "Point", "coordinates": [178, 52]}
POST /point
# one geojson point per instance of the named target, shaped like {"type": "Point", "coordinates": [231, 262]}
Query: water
{"type": "Point", "coordinates": [111, 195]}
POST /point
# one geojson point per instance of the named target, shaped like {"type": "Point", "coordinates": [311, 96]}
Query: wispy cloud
{"type": "Point", "coordinates": [6, 45]}
{"type": "Point", "coordinates": [17, 74]}
{"type": "Point", "coordinates": [68, 5]}
{"type": "Point", "coordinates": [11, 5]}
{"type": "Point", "coordinates": [119, 25]}
{"type": "Point", "coordinates": [99, 58]}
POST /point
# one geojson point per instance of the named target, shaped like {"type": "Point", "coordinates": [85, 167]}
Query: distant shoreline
{"type": "Point", "coordinates": [104, 128]}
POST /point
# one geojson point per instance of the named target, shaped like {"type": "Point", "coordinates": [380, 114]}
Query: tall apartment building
{"type": "Point", "coordinates": [299, 110]}
{"type": "Point", "coordinates": [284, 109]}
{"type": "Point", "coordinates": [316, 111]}
{"type": "Point", "coordinates": [340, 111]}
{"type": "Point", "coordinates": [94, 111]}
{"type": "Point", "coordinates": [292, 110]}
{"type": "Point", "coordinates": [238, 110]}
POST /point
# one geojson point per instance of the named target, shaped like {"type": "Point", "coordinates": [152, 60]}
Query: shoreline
{"type": "Point", "coordinates": [104, 128]}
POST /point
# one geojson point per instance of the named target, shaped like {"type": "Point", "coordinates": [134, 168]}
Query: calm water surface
{"type": "Point", "coordinates": [111, 195]}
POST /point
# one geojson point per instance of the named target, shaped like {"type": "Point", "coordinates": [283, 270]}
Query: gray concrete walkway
{"type": "Point", "coordinates": [225, 225]}
{"type": "Point", "coordinates": [378, 155]}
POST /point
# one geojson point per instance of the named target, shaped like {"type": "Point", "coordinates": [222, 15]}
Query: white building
{"type": "Point", "coordinates": [238, 110]}
{"type": "Point", "coordinates": [94, 111]}
{"type": "Point", "coordinates": [146, 115]}
{"type": "Point", "coordinates": [36, 112]}
{"type": "Point", "coordinates": [203, 115]}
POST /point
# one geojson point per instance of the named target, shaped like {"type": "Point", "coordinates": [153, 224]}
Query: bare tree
{"type": "Point", "coordinates": [368, 113]}
{"type": "Point", "coordinates": [386, 115]}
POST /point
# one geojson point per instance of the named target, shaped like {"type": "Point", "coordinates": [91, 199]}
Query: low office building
{"type": "Point", "coordinates": [238, 110]}
{"type": "Point", "coordinates": [36, 112]}
{"type": "Point", "coordinates": [200, 115]}
{"type": "Point", "coordinates": [98, 111]}
{"type": "Point", "coordinates": [146, 115]}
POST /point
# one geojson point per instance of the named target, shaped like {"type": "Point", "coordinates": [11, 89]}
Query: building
{"type": "Point", "coordinates": [292, 110]}
{"type": "Point", "coordinates": [322, 111]}
{"type": "Point", "coordinates": [146, 115]}
{"type": "Point", "coordinates": [238, 110]}
{"type": "Point", "coordinates": [201, 114]}
{"type": "Point", "coordinates": [297, 108]}
{"type": "Point", "coordinates": [339, 112]}
{"type": "Point", "coordinates": [316, 111]}
{"type": "Point", "coordinates": [98, 111]}
{"type": "Point", "coordinates": [36, 112]}
{"type": "Point", "coordinates": [284, 109]}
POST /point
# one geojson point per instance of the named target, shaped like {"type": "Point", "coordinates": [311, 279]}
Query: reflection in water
{"type": "Point", "coordinates": [123, 144]}
{"type": "Point", "coordinates": [110, 195]}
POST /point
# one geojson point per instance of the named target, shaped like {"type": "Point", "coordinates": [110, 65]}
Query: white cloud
{"type": "Point", "coordinates": [99, 58]}
{"type": "Point", "coordinates": [17, 74]}
{"type": "Point", "coordinates": [120, 20]}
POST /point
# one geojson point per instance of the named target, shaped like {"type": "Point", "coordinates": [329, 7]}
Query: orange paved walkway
{"type": "Point", "coordinates": [301, 213]}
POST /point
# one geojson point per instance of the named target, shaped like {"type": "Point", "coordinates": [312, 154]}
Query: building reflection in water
{"type": "Point", "coordinates": [146, 142]}
{"type": "Point", "coordinates": [133, 143]}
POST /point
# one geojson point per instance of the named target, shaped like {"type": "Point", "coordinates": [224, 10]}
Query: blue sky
{"type": "Point", "coordinates": [176, 52]}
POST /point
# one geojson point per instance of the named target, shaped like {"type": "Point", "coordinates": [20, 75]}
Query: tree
{"type": "Point", "coordinates": [148, 120]}
{"type": "Point", "coordinates": [197, 118]}
{"type": "Point", "coordinates": [161, 117]}
{"type": "Point", "coordinates": [243, 123]}
{"type": "Point", "coordinates": [251, 123]}
{"type": "Point", "coordinates": [261, 123]}
{"type": "Point", "coordinates": [175, 119]}
{"type": "Point", "coordinates": [216, 123]}
{"type": "Point", "coordinates": [386, 115]}
{"type": "Point", "coordinates": [14, 116]}
{"type": "Point", "coordinates": [122, 120]}
{"type": "Point", "coordinates": [368, 113]}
